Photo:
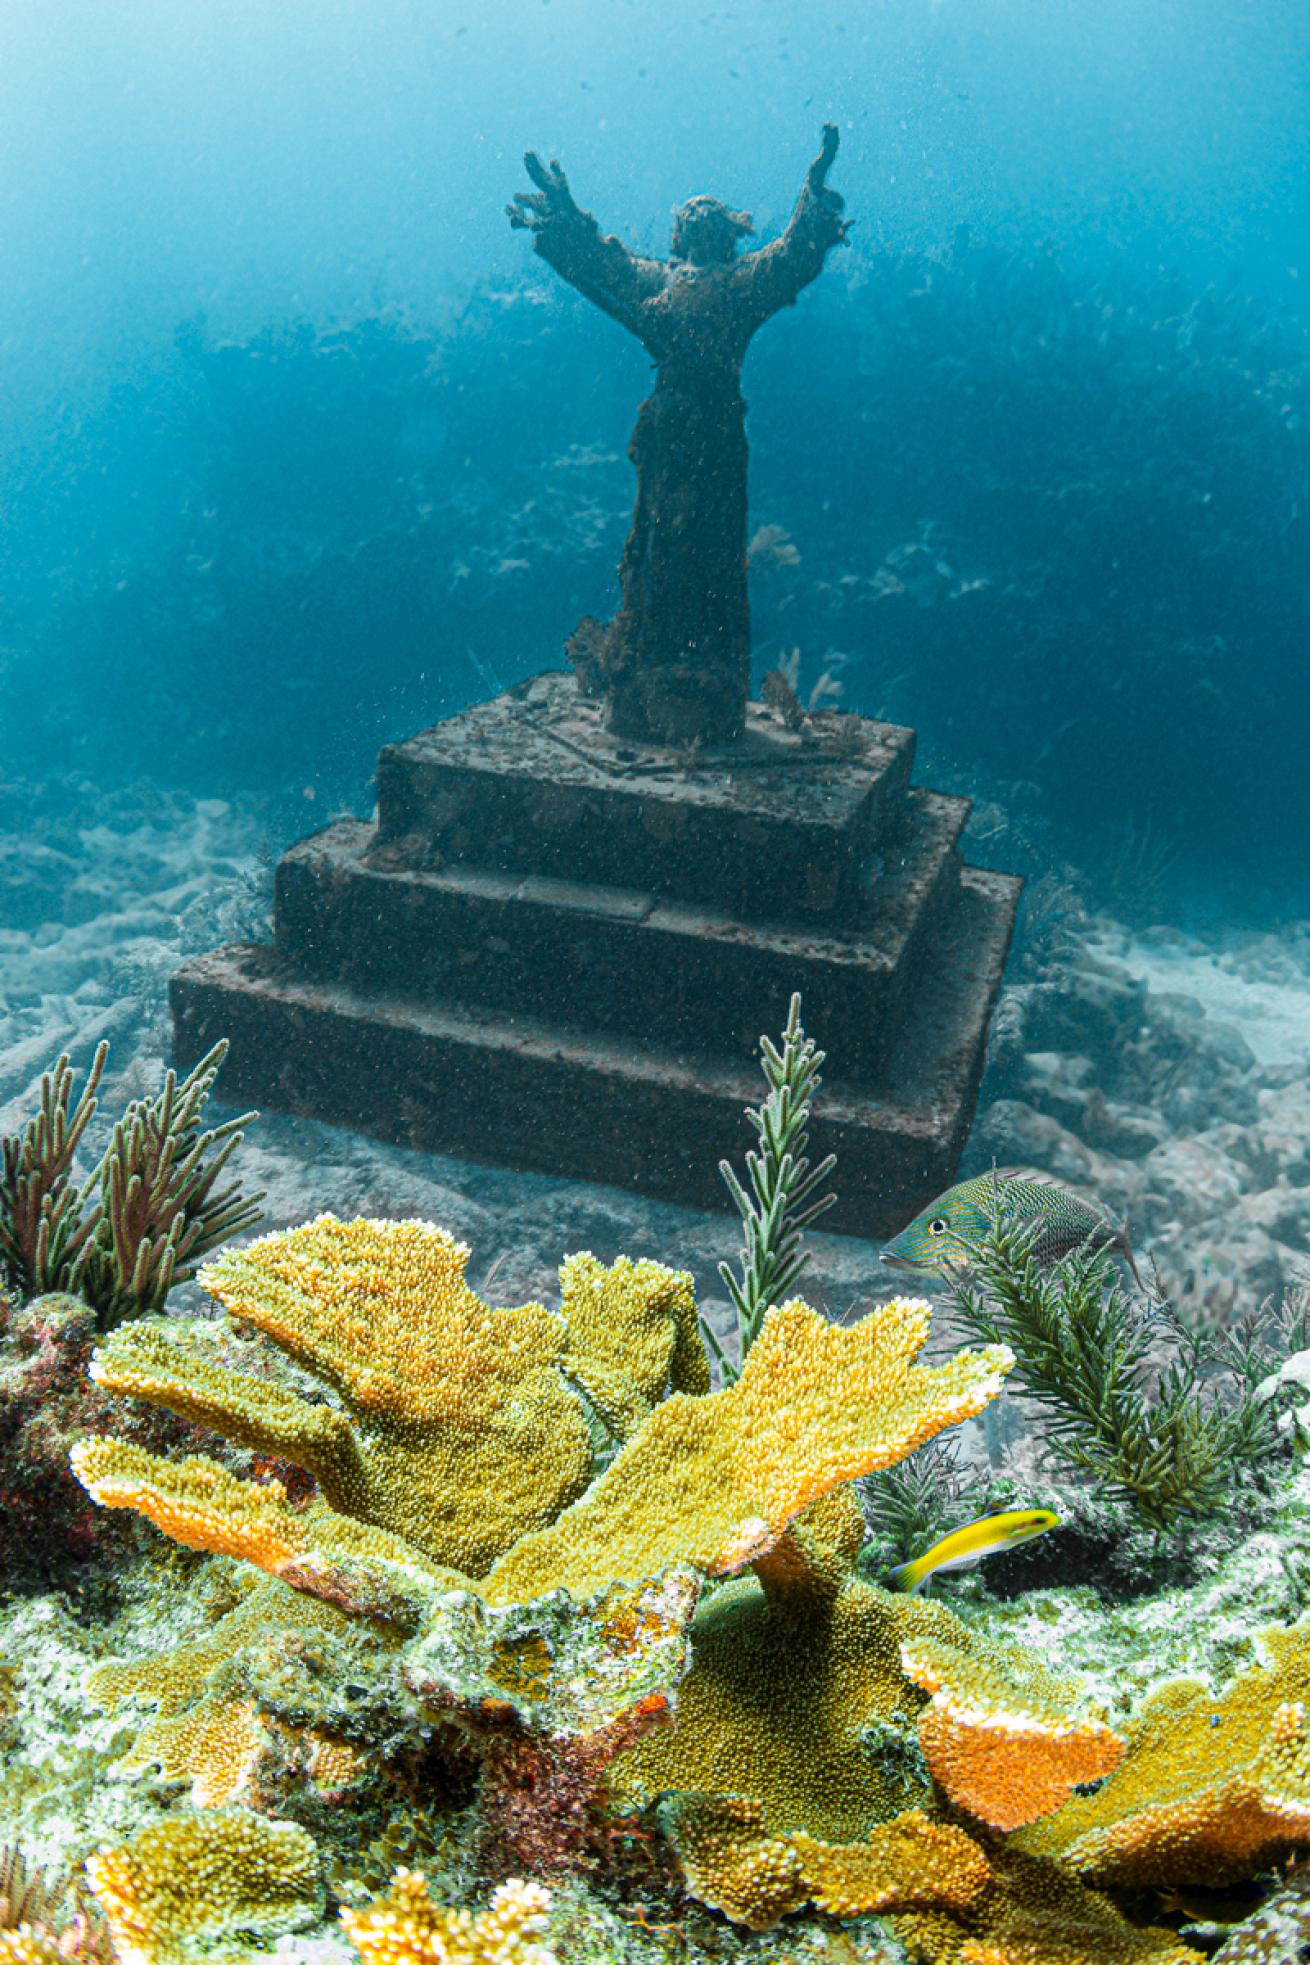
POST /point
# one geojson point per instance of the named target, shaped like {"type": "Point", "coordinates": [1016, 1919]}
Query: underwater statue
{"type": "Point", "coordinates": [673, 665]}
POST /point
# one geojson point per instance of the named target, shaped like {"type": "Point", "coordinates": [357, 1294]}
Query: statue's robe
{"type": "Point", "coordinates": [674, 662]}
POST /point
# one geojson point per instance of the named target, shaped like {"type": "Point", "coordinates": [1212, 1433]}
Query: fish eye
{"type": "Point", "coordinates": [937, 1227]}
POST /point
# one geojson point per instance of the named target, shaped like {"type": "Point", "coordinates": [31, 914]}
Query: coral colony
{"type": "Point", "coordinates": [502, 1635]}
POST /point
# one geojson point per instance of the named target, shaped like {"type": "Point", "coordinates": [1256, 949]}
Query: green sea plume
{"type": "Point", "coordinates": [146, 1214]}
{"type": "Point", "coordinates": [1174, 1441]}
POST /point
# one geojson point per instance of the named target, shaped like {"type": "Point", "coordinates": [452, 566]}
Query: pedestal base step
{"type": "Point", "coordinates": [627, 1112]}
{"type": "Point", "coordinates": [603, 958]}
{"type": "Point", "coordinates": [774, 826]}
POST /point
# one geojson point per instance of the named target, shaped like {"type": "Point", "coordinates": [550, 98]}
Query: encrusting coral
{"type": "Point", "coordinates": [732, 1862]}
{"type": "Point", "coordinates": [550, 1693]}
{"type": "Point", "coordinates": [507, 1594]}
{"type": "Point", "coordinates": [406, 1928]}
{"type": "Point", "coordinates": [1035, 1912]}
{"type": "Point", "coordinates": [226, 1700]}
{"type": "Point", "coordinates": [178, 1886]}
{"type": "Point", "coordinates": [784, 1690]}
{"type": "Point", "coordinates": [805, 1707]}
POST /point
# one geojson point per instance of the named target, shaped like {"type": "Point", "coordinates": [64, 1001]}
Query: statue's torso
{"type": "Point", "coordinates": [694, 328]}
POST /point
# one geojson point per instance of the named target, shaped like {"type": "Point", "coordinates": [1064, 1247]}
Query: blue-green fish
{"type": "Point", "coordinates": [964, 1547]}
{"type": "Point", "coordinates": [948, 1234]}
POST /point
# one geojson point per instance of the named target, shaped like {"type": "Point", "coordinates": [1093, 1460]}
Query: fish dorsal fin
{"type": "Point", "coordinates": [1034, 1174]}
{"type": "Point", "coordinates": [1036, 1178]}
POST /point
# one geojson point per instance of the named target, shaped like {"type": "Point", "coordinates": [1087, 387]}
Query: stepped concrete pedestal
{"type": "Point", "coordinates": [558, 950]}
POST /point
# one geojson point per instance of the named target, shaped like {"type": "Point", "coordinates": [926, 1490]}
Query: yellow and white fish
{"type": "Point", "coordinates": [964, 1547]}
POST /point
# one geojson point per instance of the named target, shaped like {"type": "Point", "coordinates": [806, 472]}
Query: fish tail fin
{"type": "Point", "coordinates": [907, 1577]}
{"type": "Point", "coordinates": [1125, 1249]}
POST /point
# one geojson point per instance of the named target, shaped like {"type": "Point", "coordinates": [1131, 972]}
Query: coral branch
{"type": "Point", "coordinates": [362, 1569]}
{"type": "Point", "coordinates": [466, 1430]}
{"type": "Point", "coordinates": [717, 1481]}
{"type": "Point", "coordinates": [1003, 1735]}
{"type": "Point", "coordinates": [632, 1336]}
{"type": "Point", "coordinates": [144, 1361]}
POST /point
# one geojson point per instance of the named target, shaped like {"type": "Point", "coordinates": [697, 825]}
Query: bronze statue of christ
{"type": "Point", "coordinates": [674, 664]}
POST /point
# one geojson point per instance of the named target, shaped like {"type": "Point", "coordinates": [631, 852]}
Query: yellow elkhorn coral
{"type": "Point", "coordinates": [365, 1570]}
{"type": "Point", "coordinates": [1002, 1735]}
{"type": "Point", "coordinates": [454, 1425]}
{"type": "Point", "coordinates": [718, 1481]}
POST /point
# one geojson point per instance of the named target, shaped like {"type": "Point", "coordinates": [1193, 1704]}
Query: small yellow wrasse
{"type": "Point", "coordinates": [964, 1547]}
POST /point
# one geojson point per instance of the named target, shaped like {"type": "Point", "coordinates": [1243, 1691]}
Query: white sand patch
{"type": "Point", "coordinates": [1271, 1010]}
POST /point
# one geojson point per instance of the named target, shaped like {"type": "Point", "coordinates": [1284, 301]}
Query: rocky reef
{"type": "Point", "coordinates": [675, 1691]}
{"type": "Point", "coordinates": [554, 1631]}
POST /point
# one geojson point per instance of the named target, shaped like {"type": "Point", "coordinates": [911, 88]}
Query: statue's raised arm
{"type": "Point", "coordinates": [773, 277]}
{"type": "Point", "coordinates": [569, 239]}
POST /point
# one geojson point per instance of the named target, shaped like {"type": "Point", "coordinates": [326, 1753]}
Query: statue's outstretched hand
{"type": "Point", "coordinates": [819, 194]}
{"type": "Point", "coordinates": [818, 174]}
{"type": "Point", "coordinates": [551, 199]}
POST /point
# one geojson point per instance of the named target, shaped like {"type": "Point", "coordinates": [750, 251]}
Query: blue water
{"type": "Point", "coordinates": [303, 449]}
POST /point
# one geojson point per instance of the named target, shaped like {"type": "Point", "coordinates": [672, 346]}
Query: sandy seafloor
{"type": "Point", "coordinates": [1165, 1071]}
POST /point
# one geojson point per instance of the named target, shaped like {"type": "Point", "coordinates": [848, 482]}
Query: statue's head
{"type": "Point", "coordinates": [705, 232]}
